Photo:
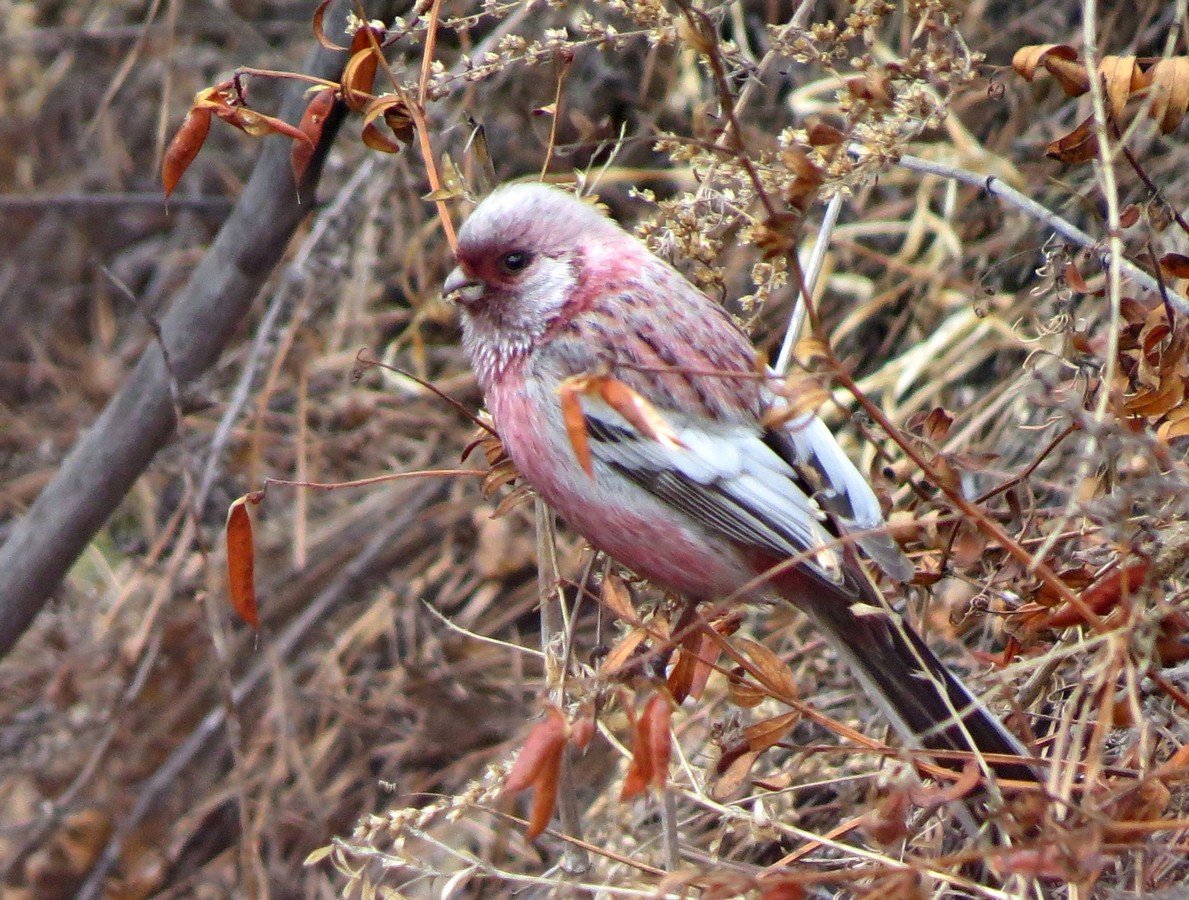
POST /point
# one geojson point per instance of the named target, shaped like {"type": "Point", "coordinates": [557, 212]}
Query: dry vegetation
{"type": "Point", "coordinates": [150, 742]}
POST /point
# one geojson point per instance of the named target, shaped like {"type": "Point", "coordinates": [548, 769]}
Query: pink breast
{"type": "Point", "coordinates": [615, 515]}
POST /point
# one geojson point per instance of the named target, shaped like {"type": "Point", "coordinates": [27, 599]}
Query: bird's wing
{"type": "Point", "coordinates": [724, 477]}
{"type": "Point", "coordinates": [807, 444]}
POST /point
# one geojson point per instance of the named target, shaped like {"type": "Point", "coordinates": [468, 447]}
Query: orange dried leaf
{"type": "Point", "coordinates": [394, 111]}
{"type": "Point", "coordinates": [1122, 76]}
{"type": "Point", "coordinates": [932, 798]}
{"type": "Point", "coordinates": [1027, 59]}
{"type": "Point", "coordinates": [695, 661]}
{"type": "Point", "coordinates": [1079, 146]}
{"type": "Point", "coordinates": [777, 676]}
{"type": "Point", "coordinates": [359, 75]}
{"type": "Point", "coordinates": [658, 716]}
{"type": "Point", "coordinates": [622, 653]}
{"type": "Point", "coordinates": [545, 741]}
{"type": "Point", "coordinates": [583, 730]}
{"type": "Point", "coordinates": [241, 559]}
{"type": "Point", "coordinates": [184, 147]}
{"type": "Point", "coordinates": [544, 797]}
{"type": "Point", "coordinates": [742, 691]}
{"type": "Point", "coordinates": [319, 33]}
{"type": "Point", "coordinates": [312, 122]}
{"type": "Point", "coordinates": [1170, 92]}
{"type": "Point", "coordinates": [617, 598]}
{"type": "Point", "coordinates": [734, 773]}
{"type": "Point", "coordinates": [575, 422]}
{"type": "Point", "coordinates": [768, 733]}
{"type": "Point", "coordinates": [1102, 596]}
{"type": "Point", "coordinates": [1175, 265]}
{"type": "Point", "coordinates": [639, 412]}
{"type": "Point", "coordinates": [1075, 280]}
{"type": "Point", "coordinates": [650, 749]}
{"type": "Point", "coordinates": [887, 824]}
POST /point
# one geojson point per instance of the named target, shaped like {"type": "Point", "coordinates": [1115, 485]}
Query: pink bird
{"type": "Point", "coordinates": [551, 289]}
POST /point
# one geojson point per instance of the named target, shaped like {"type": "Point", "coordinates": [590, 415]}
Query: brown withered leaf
{"type": "Point", "coordinates": [539, 766]}
{"type": "Point", "coordinates": [777, 676]}
{"type": "Point", "coordinates": [184, 147]}
{"type": "Point", "coordinates": [313, 120]}
{"type": "Point", "coordinates": [733, 773]}
{"type": "Point", "coordinates": [319, 32]}
{"type": "Point", "coordinates": [241, 563]}
{"type": "Point", "coordinates": [617, 661]}
{"type": "Point", "coordinates": [1079, 146]}
{"type": "Point", "coordinates": [651, 748]}
{"type": "Point", "coordinates": [768, 733]}
{"type": "Point", "coordinates": [618, 598]}
{"type": "Point", "coordinates": [1075, 280]}
{"type": "Point", "coordinates": [393, 109]}
{"type": "Point", "coordinates": [1175, 265]}
{"type": "Point", "coordinates": [359, 75]}
{"type": "Point", "coordinates": [887, 824]}
{"type": "Point", "coordinates": [696, 657]}
{"type": "Point", "coordinates": [638, 411]}
{"type": "Point", "coordinates": [1170, 92]}
{"type": "Point", "coordinates": [1103, 596]}
{"type": "Point", "coordinates": [1129, 216]}
{"type": "Point", "coordinates": [1027, 59]}
{"type": "Point", "coordinates": [1122, 77]}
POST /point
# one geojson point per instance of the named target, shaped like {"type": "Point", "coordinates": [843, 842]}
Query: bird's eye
{"type": "Point", "coordinates": [515, 262]}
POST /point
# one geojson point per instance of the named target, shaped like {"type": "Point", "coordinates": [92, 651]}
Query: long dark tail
{"type": "Point", "coordinates": [924, 700]}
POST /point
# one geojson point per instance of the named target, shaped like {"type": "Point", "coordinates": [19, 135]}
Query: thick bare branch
{"type": "Point", "coordinates": [139, 420]}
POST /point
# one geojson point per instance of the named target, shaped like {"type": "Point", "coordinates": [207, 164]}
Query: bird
{"type": "Point", "coordinates": [674, 472]}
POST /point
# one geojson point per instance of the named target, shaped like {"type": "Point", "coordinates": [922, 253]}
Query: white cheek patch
{"type": "Point", "coordinates": [545, 290]}
{"type": "Point", "coordinates": [508, 324]}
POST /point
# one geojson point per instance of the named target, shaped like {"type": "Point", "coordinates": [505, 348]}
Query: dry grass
{"type": "Point", "coordinates": [399, 663]}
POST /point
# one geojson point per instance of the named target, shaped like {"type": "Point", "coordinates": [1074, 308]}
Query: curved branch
{"type": "Point", "coordinates": [203, 317]}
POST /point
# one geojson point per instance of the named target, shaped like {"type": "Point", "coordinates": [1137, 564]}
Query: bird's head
{"type": "Point", "coordinates": [521, 254]}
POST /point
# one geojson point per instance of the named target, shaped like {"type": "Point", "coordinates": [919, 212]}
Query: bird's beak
{"type": "Point", "coordinates": [461, 288]}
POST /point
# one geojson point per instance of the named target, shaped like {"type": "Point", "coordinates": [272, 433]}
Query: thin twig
{"type": "Point", "coordinates": [999, 188]}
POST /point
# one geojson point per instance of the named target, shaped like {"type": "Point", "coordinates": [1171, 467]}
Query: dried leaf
{"type": "Point", "coordinates": [641, 414]}
{"type": "Point", "coordinates": [1175, 265]}
{"type": "Point", "coordinates": [695, 661]}
{"type": "Point", "coordinates": [1027, 59]}
{"type": "Point", "coordinates": [768, 733]}
{"type": "Point", "coordinates": [1075, 280]}
{"type": "Point", "coordinates": [734, 774]}
{"type": "Point", "coordinates": [650, 748]}
{"type": "Point", "coordinates": [777, 676]}
{"type": "Point", "coordinates": [887, 824]}
{"type": "Point", "coordinates": [622, 653]}
{"type": "Point", "coordinates": [617, 598]}
{"type": "Point", "coordinates": [394, 110]}
{"type": "Point", "coordinates": [583, 729]}
{"type": "Point", "coordinates": [742, 691]}
{"type": "Point", "coordinates": [184, 147]}
{"type": "Point", "coordinates": [824, 135]}
{"type": "Point", "coordinates": [319, 33]}
{"type": "Point", "coordinates": [313, 120]}
{"type": "Point", "coordinates": [359, 75]}
{"type": "Point", "coordinates": [241, 563]}
{"type": "Point", "coordinates": [539, 766]}
{"type": "Point", "coordinates": [1104, 595]}
{"type": "Point", "coordinates": [1121, 76]}
{"type": "Point", "coordinates": [575, 422]}
{"type": "Point", "coordinates": [1079, 146]}
{"type": "Point", "coordinates": [1170, 92]}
